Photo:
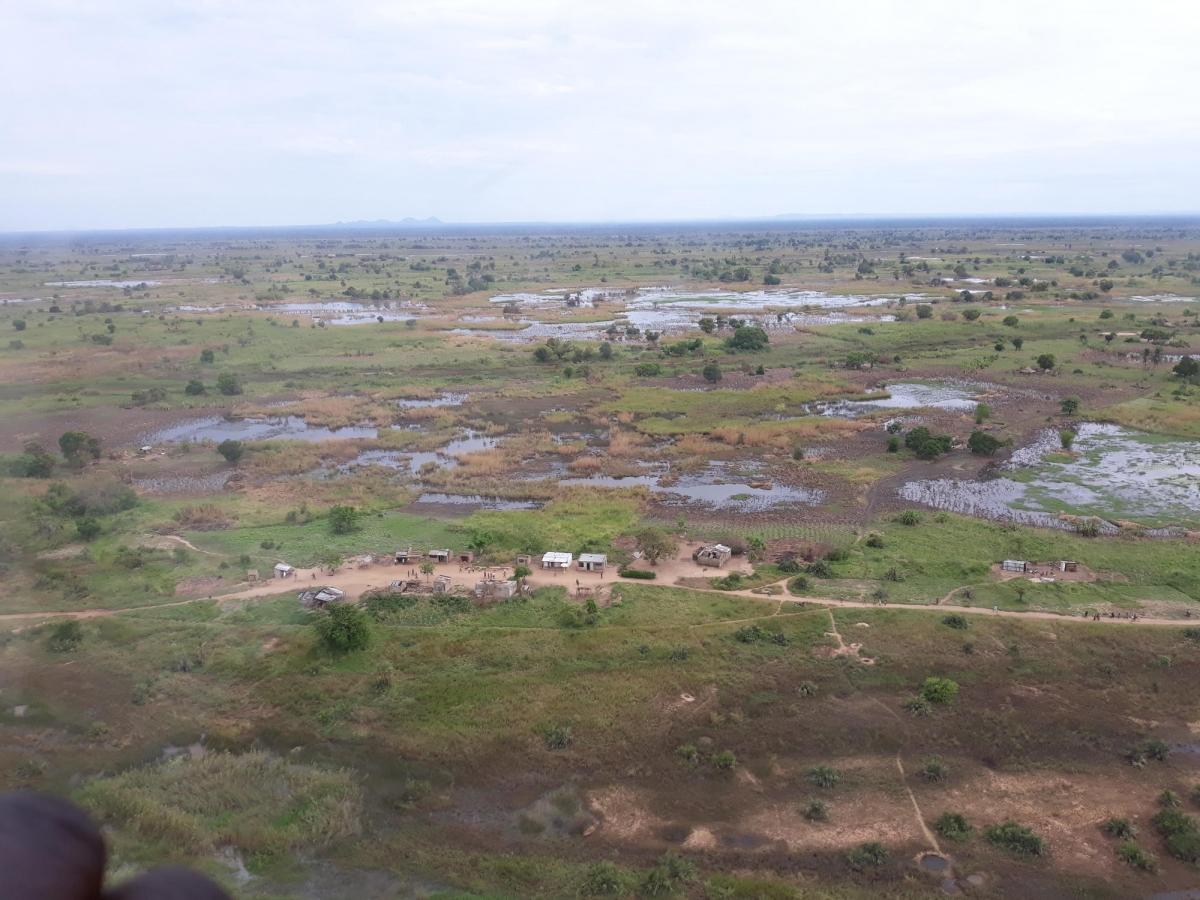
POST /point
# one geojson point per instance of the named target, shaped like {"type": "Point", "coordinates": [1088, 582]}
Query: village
{"type": "Point", "coordinates": [443, 571]}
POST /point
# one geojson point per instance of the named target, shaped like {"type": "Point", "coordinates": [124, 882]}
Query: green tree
{"type": "Point", "coordinates": [232, 450]}
{"type": "Point", "coordinates": [1069, 406]}
{"type": "Point", "coordinates": [712, 373]}
{"type": "Point", "coordinates": [1066, 437]}
{"type": "Point", "coordinates": [343, 519]}
{"type": "Point", "coordinates": [206, 357]}
{"type": "Point", "coordinates": [655, 543]}
{"type": "Point", "coordinates": [1046, 362]}
{"type": "Point", "coordinates": [195, 388]}
{"type": "Point", "coordinates": [343, 628]}
{"type": "Point", "coordinates": [983, 444]}
{"type": "Point", "coordinates": [747, 337]}
{"type": "Point", "coordinates": [78, 446]}
{"type": "Point", "coordinates": [88, 528]}
{"type": "Point", "coordinates": [707, 325]}
{"type": "Point", "coordinates": [34, 462]}
{"type": "Point", "coordinates": [228, 384]}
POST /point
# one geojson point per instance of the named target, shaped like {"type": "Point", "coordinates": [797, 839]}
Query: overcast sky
{"type": "Point", "coordinates": [122, 113]}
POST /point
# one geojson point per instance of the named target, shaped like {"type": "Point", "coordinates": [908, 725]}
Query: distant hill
{"type": "Point", "coordinates": [407, 222]}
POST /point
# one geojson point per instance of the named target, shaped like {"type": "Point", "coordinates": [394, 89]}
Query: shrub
{"type": "Point", "coordinates": [725, 760]}
{"type": "Point", "coordinates": [1168, 799]}
{"type": "Point", "coordinates": [712, 373]}
{"type": "Point", "coordinates": [926, 445]}
{"type": "Point", "coordinates": [65, 637]}
{"type": "Point", "coordinates": [342, 628]}
{"type": "Point", "coordinates": [824, 776]}
{"type": "Point", "coordinates": [870, 854]}
{"type": "Point", "coordinates": [643, 574]}
{"type": "Point", "coordinates": [819, 569]}
{"type": "Point", "coordinates": [1016, 839]}
{"type": "Point", "coordinates": [688, 753]}
{"type": "Point", "coordinates": [918, 706]}
{"type": "Point", "coordinates": [983, 444]}
{"type": "Point", "coordinates": [603, 879]}
{"type": "Point", "coordinates": [798, 585]}
{"type": "Point", "coordinates": [909, 517]}
{"type": "Point", "coordinates": [195, 388]}
{"type": "Point", "coordinates": [956, 621]}
{"type": "Point", "coordinates": [952, 826]}
{"type": "Point", "coordinates": [232, 450]}
{"type": "Point", "coordinates": [817, 811]}
{"type": "Point", "coordinates": [1133, 855]}
{"type": "Point", "coordinates": [88, 528]}
{"type": "Point", "coordinates": [647, 370]}
{"type": "Point", "coordinates": [747, 337]}
{"type": "Point", "coordinates": [1069, 406]}
{"type": "Point", "coordinates": [874, 541]}
{"type": "Point", "coordinates": [228, 384]}
{"type": "Point", "coordinates": [343, 519]}
{"type": "Point", "coordinates": [1066, 437]}
{"type": "Point", "coordinates": [1181, 833]}
{"type": "Point", "coordinates": [939, 690]}
{"type": "Point", "coordinates": [557, 737]}
{"type": "Point", "coordinates": [668, 876]}
{"type": "Point", "coordinates": [935, 770]}
{"type": "Point", "coordinates": [1119, 828]}
{"type": "Point", "coordinates": [1046, 362]}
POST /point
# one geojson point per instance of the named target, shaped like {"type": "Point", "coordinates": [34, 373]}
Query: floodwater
{"type": "Point", "coordinates": [444, 457]}
{"type": "Point", "coordinates": [719, 486]}
{"type": "Point", "coordinates": [345, 312]}
{"type": "Point", "coordinates": [476, 501]}
{"type": "Point", "coordinates": [906, 395]}
{"type": "Point", "coordinates": [217, 429]}
{"type": "Point", "coordinates": [447, 399]}
{"type": "Point", "coordinates": [1114, 473]}
{"type": "Point", "coordinates": [104, 282]}
{"type": "Point", "coordinates": [751, 300]}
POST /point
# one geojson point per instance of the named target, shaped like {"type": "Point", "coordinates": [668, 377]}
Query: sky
{"type": "Point", "coordinates": [162, 113]}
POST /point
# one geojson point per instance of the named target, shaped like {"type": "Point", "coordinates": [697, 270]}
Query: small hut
{"type": "Point", "coordinates": [712, 555]}
{"type": "Point", "coordinates": [283, 570]}
{"type": "Point", "coordinates": [319, 598]}
{"type": "Point", "coordinates": [440, 556]}
{"type": "Point", "coordinates": [556, 559]}
{"type": "Point", "coordinates": [1014, 565]}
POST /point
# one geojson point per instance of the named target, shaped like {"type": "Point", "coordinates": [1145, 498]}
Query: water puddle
{"type": "Point", "coordinates": [906, 395]}
{"type": "Point", "coordinates": [719, 486]}
{"type": "Point", "coordinates": [475, 501]}
{"type": "Point", "coordinates": [345, 312]}
{"type": "Point", "coordinates": [104, 282]}
{"type": "Point", "coordinates": [217, 429]}
{"type": "Point", "coordinates": [444, 457]}
{"type": "Point", "coordinates": [1114, 473]}
{"type": "Point", "coordinates": [447, 399]}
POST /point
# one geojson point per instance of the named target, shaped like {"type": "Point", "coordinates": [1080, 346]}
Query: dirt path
{"type": "Point", "coordinates": [355, 582]}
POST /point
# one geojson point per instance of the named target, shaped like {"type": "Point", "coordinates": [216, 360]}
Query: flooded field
{"type": "Point", "coordinates": [907, 395]}
{"type": "Point", "coordinates": [217, 429]}
{"type": "Point", "coordinates": [183, 484]}
{"type": "Point", "coordinates": [474, 501]}
{"type": "Point", "coordinates": [344, 312]}
{"type": "Point", "coordinates": [104, 282]}
{"type": "Point", "coordinates": [1114, 473]}
{"type": "Point", "coordinates": [444, 457]}
{"type": "Point", "coordinates": [719, 486]}
{"type": "Point", "coordinates": [447, 399]}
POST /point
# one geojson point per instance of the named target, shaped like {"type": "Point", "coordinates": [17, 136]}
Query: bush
{"type": "Point", "coordinates": [647, 370]}
{"type": "Point", "coordinates": [824, 776]}
{"type": "Point", "coordinates": [983, 444]}
{"type": "Point", "coordinates": [798, 585]}
{"type": "Point", "coordinates": [939, 690]}
{"type": "Point", "coordinates": [817, 811]}
{"type": "Point", "coordinates": [909, 517]}
{"type": "Point", "coordinates": [381, 604]}
{"type": "Point", "coordinates": [228, 384]}
{"type": "Point", "coordinates": [232, 450]}
{"type": "Point", "coordinates": [643, 574]}
{"type": "Point", "coordinates": [343, 628]}
{"type": "Point", "coordinates": [343, 519]}
{"type": "Point", "coordinates": [688, 753]}
{"type": "Point", "coordinates": [874, 541]}
{"type": "Point", "coordinates": [952, 826]}
{"type": "Point", "coordinates": [819, 569]}
{"type": "Point", "coordinates": [870, 854]}
{"type": "Point", "coordinates": [603, 879]}
{"type": "Point", "coordinates": [1119, 828]}
{"type": "Point", "coordinates": [557, 737]}
{"type": "Point", "coordinates": [1133, 855]}
{"type": "Point", "coordinates": [926, 445]}
{"type": "Point", "coordinates": [935, 770]}
{"type": "Point", "coordinates": [712, 373]}
{"type": "Point", "coordinates": [956, 621]}
{"type": "Point", "coordinates": [1016, 839]}
{"type": "Point", "coordinates": [1066, 437]}
{"type": "Point", "coordinates": [65, 637]}
{"type": "Point", "coordinates": [87, 528]}
{"type": "Point", "coordinates": [747, 337]}
{"type": "Point", "coordinates": [918, 706]}
{"type": "Point", "coordinates": [1046, 362]}
{"type": "Point", "coordinates": [668, 876]}
{"type": "Point", "coordinates": [725, 760]}
{"type": "Point", "coordinates": [195, 388]}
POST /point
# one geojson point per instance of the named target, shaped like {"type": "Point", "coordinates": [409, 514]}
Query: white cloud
{"type": "Point", "coordinates": [143, 112]}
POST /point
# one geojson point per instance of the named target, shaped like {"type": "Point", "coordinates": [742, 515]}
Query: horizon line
{"type": "Point", "coordinates": [433, 223]}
